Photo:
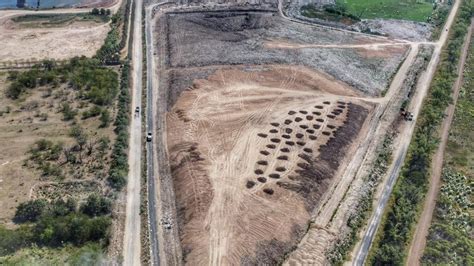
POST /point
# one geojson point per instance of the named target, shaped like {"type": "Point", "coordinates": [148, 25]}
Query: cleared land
{"type": "Point", "coordinates": [389, 9]}
{"type": "Point", "coordinates": [21, 42]}
{"type": "Point", "coordinates": [261, 120]}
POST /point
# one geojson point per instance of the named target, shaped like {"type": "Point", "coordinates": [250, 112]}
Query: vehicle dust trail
{"type": "Point", "coordinates": [132, 244]}
{"type": "Point", "coordinates": [418, 243]}
{"type": "Point", "coordinates": [403, 142]}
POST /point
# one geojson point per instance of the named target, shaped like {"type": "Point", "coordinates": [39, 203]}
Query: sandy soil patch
{"type": "Point", "coordinates": [76, 39]}
{"type": "Point", "coordinates": [251, 154]}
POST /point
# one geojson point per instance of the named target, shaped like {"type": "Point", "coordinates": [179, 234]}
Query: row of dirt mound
{"type": "Point", "coordinates": [296, 134]}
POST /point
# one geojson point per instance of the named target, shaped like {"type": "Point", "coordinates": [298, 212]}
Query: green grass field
{"type": "Point", "coordinates": [416, 10]}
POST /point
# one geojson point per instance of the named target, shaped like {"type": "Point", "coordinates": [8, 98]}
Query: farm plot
{"type": "Point", "coordinates": [262, 116]}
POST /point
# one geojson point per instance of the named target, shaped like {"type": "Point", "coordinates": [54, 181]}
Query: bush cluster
{"type": "Point", "coordinates": [119, 166]}
{"type": "Point", "coordinates": [57, 223]}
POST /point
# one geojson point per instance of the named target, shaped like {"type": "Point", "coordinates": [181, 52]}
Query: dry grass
{"type": "Point", "coordinates": [25, 124]}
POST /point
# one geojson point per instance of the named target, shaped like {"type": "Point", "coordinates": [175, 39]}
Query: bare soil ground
{"type": "Point", "coordinates": [255, 133]}
{"type": "Point", "coordinates": [22, 43]}
{"type": "Point", "coordinates": [246, 149]}
{"type": "Point", "coordinates": [34, 117]}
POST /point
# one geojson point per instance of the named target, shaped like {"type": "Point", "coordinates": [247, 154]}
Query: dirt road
{"type": "Point", "coordinates": [132, 243]}
{"type": "Point", "coordinates": [404, 140]}
{"type": "Point", "coordinates": [419, 241]}
{"type": "Point", "coordinates": [161, 196]}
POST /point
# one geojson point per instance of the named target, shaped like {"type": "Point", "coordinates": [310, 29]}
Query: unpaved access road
{"type": "Point", "coordinates": [404, 141]}
{"type": "Point", "coordinates": [418, 243]}
{"type": "Point", "coordinates": [132, 243]}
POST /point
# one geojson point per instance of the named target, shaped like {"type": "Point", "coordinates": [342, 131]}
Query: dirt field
{"type": "Point", "coordinates": [245, 154]}
{"type": "Point", "coordinates": [20, 44]}
{"type": "Point", "coordinates": [75, 39]}
{"type": "Point", "coordinates": [261, 121]}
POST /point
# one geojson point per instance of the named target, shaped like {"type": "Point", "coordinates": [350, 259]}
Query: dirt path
{"type": "Point", "coordinates": [132, 243]}
{"type": "Point", "coordinates": [161, 195]}
{"type": "Point", "coordinates": [402, 144]}
{"type": "Point", "coordinates": [419, 241]}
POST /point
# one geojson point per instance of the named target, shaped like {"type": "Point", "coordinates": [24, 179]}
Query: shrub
{"type": "Point", "coordinates": [96, 205]}
{"type": "Point", "coordinates": [30, 211]}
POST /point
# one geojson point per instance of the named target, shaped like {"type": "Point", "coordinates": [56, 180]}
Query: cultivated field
{"type": "Point", "coordinates": [263, 116]}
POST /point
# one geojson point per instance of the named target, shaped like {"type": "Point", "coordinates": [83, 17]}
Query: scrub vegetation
{"type": "Point", "coordinates": [450, 239]}
{"type": "Point", "coordinates": [393, 237]}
